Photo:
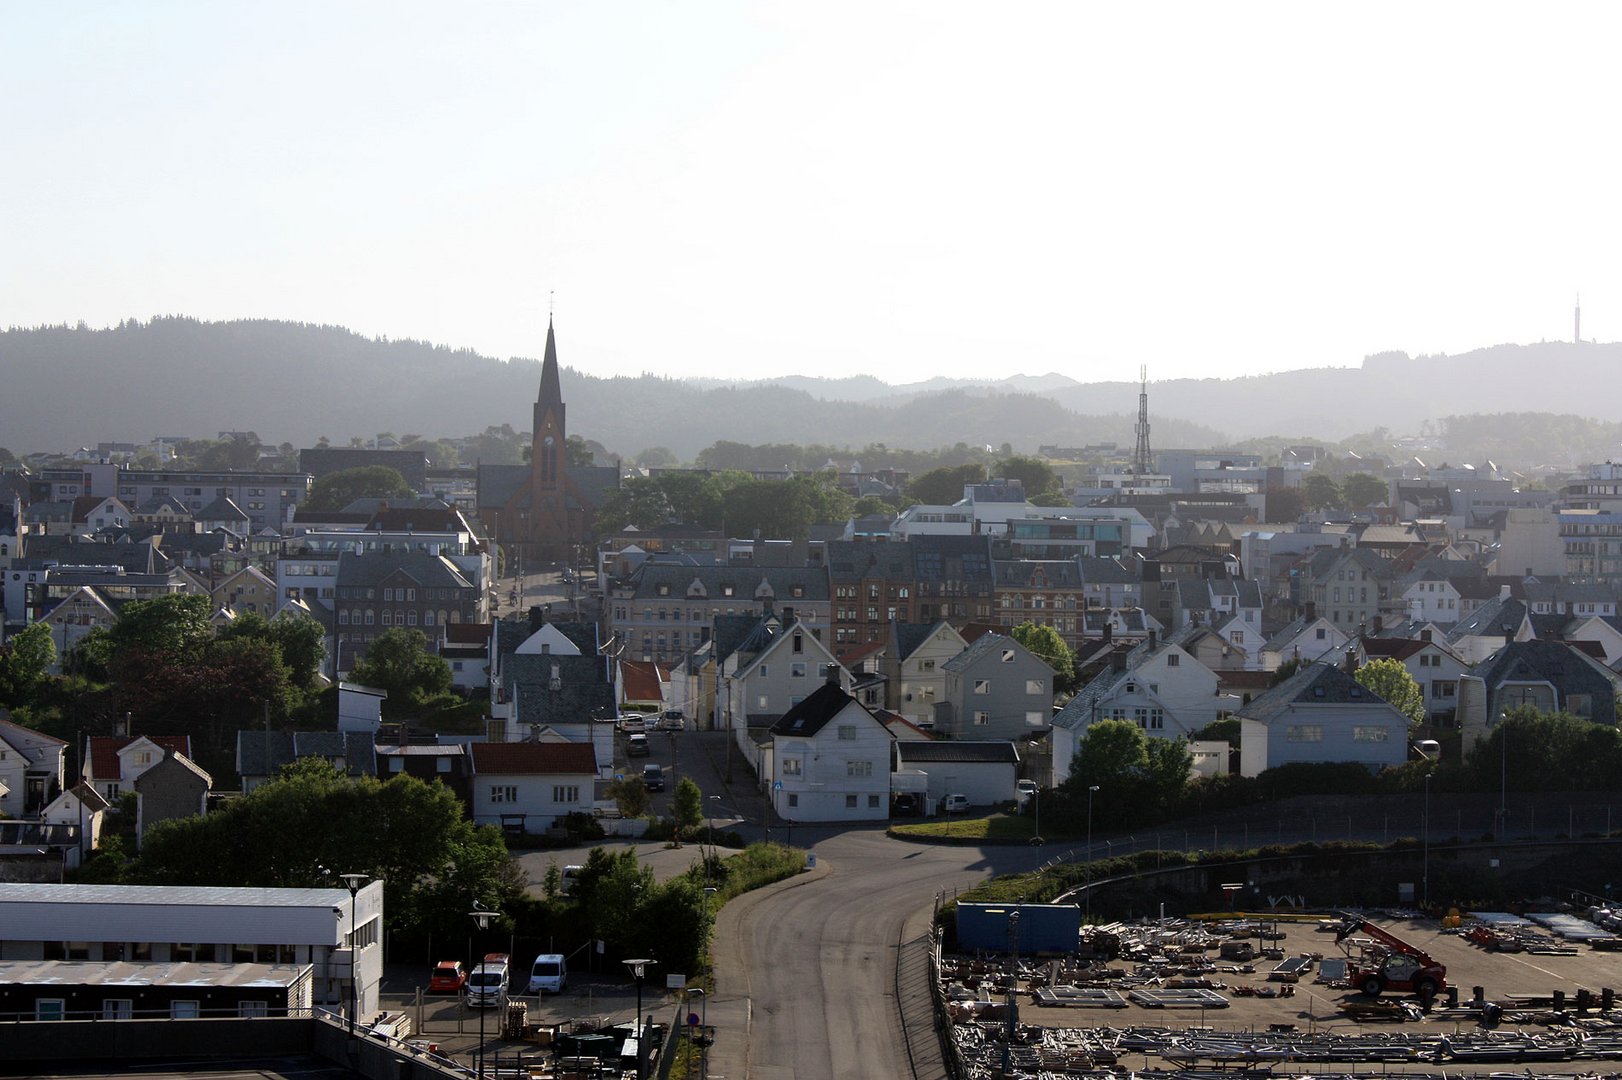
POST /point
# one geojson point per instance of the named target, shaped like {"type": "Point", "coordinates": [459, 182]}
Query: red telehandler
{"type": "Point", "coordinates": [1386, 962]}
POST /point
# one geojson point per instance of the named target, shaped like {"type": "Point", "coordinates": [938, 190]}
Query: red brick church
{"type": "Point", "coordinates": [543, 512]}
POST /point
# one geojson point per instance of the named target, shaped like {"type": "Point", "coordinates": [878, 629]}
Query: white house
{"type": "Point", "coordinates": [114, 762]}
{"type": "Point", "coordinates": [1310, 637]}
{"type": "Point", "coordinates": [1165, 691]}
{"type": "Point", "coordinates": [1430, 660]}
{"type": "Point", "coordinates": [31, 768]}
{"type": "Point", "coordinates": [360, 708]}
{"type": "Point", "coordinates": [832, 760]}
{"type": "Point", "coordinates": [1320, 714]}
{"type": "Point", "coordinates": [82, 808]}
{"type": "Point", "coordinates": [1432, 598]}
{"type": "Point", "coordinates": [530, 786]}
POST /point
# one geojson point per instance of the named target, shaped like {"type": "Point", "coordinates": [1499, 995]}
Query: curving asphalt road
{"type": "Point", "coordinates": [808, 968]}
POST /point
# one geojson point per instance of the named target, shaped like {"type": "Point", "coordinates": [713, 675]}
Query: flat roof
{"type": "Point", "coordinates": [126, 973]}
{"type": "Point", "coordinates": [15, 892]}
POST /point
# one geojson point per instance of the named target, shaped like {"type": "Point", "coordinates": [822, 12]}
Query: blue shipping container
{"type": "Point", "coordinates": [1050, 928]}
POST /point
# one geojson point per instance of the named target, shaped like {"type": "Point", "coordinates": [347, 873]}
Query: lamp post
{"type": "Point", "coordinates": [703, 1031]}
{"type": "Point", "coordinates": [1425, 878]}
{"type": "Point", "coordinates": [481, 918]}
{"type": "Point", "coordinates": [639, 969]}
{"type": "Point", "coordinates": [353, 882]}
{"type": "Point", "coordinates": [1090, 851]}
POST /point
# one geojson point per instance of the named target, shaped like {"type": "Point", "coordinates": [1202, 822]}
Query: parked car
{"type": "Point", "coordinates": [673, 720]}
{"type": "Point", "coordinates": [954, 804]}
{"type": "Point", "coordinates": [570, 874]}
{"type": "Point", "coordinates": [633, 722]}
{"type": "Point", "coordinates": [488, 984]}
{"type": "Point", "coordinates": [636, 746]}
{"type": "Point", "coordinates": [448, 977]}
{"type": "Point", "coordinates": [653, 776]}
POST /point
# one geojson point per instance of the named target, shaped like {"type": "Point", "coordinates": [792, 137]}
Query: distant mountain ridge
{"type": "Point", "coordinates": [294, 382]}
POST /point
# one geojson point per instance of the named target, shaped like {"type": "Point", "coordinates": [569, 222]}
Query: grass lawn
{"type": "Point", "coordinates": [994, 827]}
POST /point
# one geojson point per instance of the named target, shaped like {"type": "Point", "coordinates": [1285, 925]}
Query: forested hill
{"type": "Point", "coordinates": [293, 382]}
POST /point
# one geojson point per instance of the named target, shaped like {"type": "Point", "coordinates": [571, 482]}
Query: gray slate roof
{"type": "Point", "coordinates": [957, 751]}
{"type": "Point", "coordinates": [263, 753]}
{"type": "Point", "coordinates": [1313, 684]}
{"type": "Point", "coordinates": [372, 568]}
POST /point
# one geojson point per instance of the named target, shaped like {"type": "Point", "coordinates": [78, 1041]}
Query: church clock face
{"type": "Point", "coordinates": [547, 442]}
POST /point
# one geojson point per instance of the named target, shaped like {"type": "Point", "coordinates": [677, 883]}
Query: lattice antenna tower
{"type": "Point", "coordinates": [1143, 461]}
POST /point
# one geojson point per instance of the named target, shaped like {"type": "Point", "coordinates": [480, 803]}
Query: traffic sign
{"type": "Point", "coordinates": [619, 776]}
{"type": "Point", "coordinates": [692, 1019]}
{"type": "Point", "coordinates": [777, 785]}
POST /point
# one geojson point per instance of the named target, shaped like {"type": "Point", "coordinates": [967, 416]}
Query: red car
{"type": "Point", "coordinates": [448, 978]}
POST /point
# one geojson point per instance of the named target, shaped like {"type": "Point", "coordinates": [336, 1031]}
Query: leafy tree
{"type": "Point", "coordinates": [944, 486]}
{"type": "Point", "coordinates": [581, 451]}
{"type": "Point", "coordinates": [1138, 777]}
{"type": "Point", "coordinates": [1224, 730]}
{"type": "Point", "coordinates": [25, 661]}
{"type": "Point", "coordinates": [1036, 475]}
{"type": "Point", "coordinates": [400, 663]}
{"type": "Point", "coordinates": [337, 490]}
{"type": "Point", "coordinates": [784, 509]}
{"type": "Point", "coordinates": [411, 834]}
{"type": "Point", "coordinates": [174, 626]}
{"type": "Point", "coordinates": [1322, 492]}
{"type": "Point", "coordinates": [871, 504]}
{"type": "Point", "coordinates": [687, 805]}
{"type": "Point", "coordinates": [1390, 682]}
{"type": "Point", "coordinates": [631, 796]}
{"type": "Point", "coordinates": [1535, 751]}
{"type": "Point", "coordinates": [655, 457]}
{"type": "Point", "coordinates": [1045, 643]}
{"type": "Point", "coordinates": [1362, 490]}
{"type": "Point", "coordinates": [300, 639]}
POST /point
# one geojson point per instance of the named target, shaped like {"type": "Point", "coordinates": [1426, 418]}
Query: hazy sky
{"type": "Point", "coordinates": [898, 189]}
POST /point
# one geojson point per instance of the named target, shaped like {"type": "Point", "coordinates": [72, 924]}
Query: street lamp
{"type": "Point", "coordinates": [1425, 878]}
{"type": "Point", "coordinates": [353, 882]}
{"type": "Point", "coordinates": [1090, 851]}
{"type": "Point", "coordinates": [639, 968]}
{"type": "Point", "coordinates": [482, 918]}
{"type": "Point", "coordinates": [703, 1030]}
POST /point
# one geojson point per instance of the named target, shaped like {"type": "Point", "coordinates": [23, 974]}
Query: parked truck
{"type": "Point", "coordinates": [1383, 961]}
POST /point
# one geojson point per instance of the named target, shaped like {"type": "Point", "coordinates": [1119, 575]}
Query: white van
{"type": "Point", "coordinates": [487, 985]}
{"type": "Point", "coordinates": [548, 975]}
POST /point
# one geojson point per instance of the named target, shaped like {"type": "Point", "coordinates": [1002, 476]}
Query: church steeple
{"type": "Point", "coordinates": [550, 431]}
{"type": "Point", "coordinates": [550, 394]}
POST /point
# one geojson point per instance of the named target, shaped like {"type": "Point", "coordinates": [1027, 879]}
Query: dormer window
{"type": "Point", "coordinates": [1008, 656]}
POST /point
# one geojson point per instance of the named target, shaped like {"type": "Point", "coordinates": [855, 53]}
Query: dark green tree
{"type": "Point", "coordinates": [1362, 489]}
{"type": "Point", "coordinates": [25, 662]}
{"type": "Point", "coordinates": [1036, 475]}
{"type": "Point", "coordinates": [299, 638]}
{"type": "Point", "coordinates": [944, 486]}
{"type": "Point", "coordinates": [411, 834]}
{"type": "Point", "coordinates": [1322, 492]}
{"type": "Point", "coordinates": [687, 805]}
{"type": "Point", "coordinates": [337, 490]}
{"type": "Point", "coordinates": [400, 663]}
{"type": "Point", "coordinates": [1047, 645]}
